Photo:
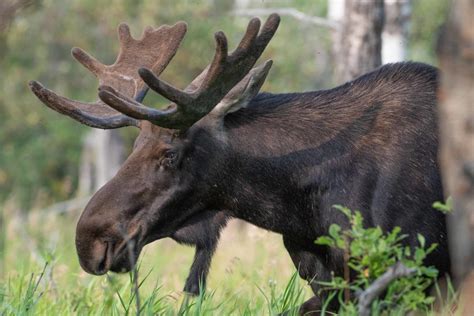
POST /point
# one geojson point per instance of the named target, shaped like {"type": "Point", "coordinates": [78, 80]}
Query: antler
{"type": "Point", "coordinates": [230, 75]}
{"type": "Point", "coordinates": [154, 49]}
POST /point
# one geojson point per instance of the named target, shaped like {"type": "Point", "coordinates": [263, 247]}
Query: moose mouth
{"type": "Point", "coordinates": [120, 257]}
{"type": "Point", "coordinates": [125, 260]}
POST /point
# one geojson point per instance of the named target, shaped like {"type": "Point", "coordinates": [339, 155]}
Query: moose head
{"type": "Point", "coordinates": [170, 175]}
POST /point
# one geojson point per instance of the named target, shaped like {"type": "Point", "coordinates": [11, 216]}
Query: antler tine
{"type": "Point", "coordinates": [163, 88]}
{"type": "Point", "coordinates": [89, 62]}
{"type": "Point", "coordinates": [218, 62]}
{"type": "Point", "coordinates": [81, 111]}
{"type": "Point", "coordinates": [130, 107]}
{"type": "Point", "coordinates": [244, 91]}
{"type": "Point", "coordinates": [268, 30]}
{"type": "Point", "coordinates": [154, 49]}
{"type": "Point", "coordinates": [212, 85]}
{"type": "Point", "coordinates": [124, 34]}
{"type": "Point", "coordinates": [250, 35]}
{"type": "Point", "coordinates": [253, 82]}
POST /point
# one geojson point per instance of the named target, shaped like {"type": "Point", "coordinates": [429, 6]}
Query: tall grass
{"type": "Point", "coordinates": [33, 294]}
{"type": "Point", "coordinates": [251, 275]}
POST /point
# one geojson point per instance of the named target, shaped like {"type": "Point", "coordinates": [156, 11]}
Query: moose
{"type": "Point", "coordinates": [222, 150]}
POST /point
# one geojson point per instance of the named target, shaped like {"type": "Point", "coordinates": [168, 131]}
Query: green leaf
{"type": "Point", "coordinates": [430, 272]}
{"type": "Point", "coordinates": [421, 240]}
{"type": "Point", "coordinates": [325, 241]}
{"type": "Point", "coordinates": [343, 209]}
{"type": "Point", "coordinates": [334, 231]}
{"type": "Point", "coordinates": [420, 255]}
{"type": "Point", "coordinates": [431, 248]}
{"type": "Point", "coordinates": [444, 207]}
{"type": "Point", "coordinates": [340, 243]}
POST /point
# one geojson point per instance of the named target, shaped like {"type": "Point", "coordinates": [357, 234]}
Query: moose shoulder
{"type": "Point", "coordinates": [279, 161]}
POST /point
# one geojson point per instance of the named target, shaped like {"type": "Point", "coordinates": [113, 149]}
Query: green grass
{"type": "Point", "coordinates": [251, 275]}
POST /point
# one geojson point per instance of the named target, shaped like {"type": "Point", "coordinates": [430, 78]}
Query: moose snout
{"type": "Point", "coordinates": [95, 258]}
{"type": "Point", "coordinates": [99, 254]}
{"type": "Point", "coordinates": [107, 236]}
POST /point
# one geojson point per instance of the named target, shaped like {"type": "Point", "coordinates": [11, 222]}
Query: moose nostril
{"type": "Point", "coordinates": [104, 263]}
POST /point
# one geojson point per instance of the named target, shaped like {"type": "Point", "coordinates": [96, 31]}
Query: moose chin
{"type": "Point", "coordinates": [280, 161]}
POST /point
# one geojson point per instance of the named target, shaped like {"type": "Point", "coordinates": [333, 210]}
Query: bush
{"type": "Point", "coordinates": [369, 253]}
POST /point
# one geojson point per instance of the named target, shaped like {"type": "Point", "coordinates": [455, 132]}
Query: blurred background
{"type": "Point", "coordinates": [50, 164]}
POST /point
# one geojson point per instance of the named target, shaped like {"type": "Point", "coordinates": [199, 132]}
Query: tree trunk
{"type": "Point", "coordinates": [456, 108]}
{"type": "Point", "coordinates": [395, 31]}
{"type": "Point", "coordinates": [360, 41]}
{"type": "Point", "coordinates": [336, 10]}
{"type": "Point", "coordinates": [102, 156]}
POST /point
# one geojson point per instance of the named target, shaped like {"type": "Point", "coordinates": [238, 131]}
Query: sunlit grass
{"type": "Point", "coordinates": [251, 274]}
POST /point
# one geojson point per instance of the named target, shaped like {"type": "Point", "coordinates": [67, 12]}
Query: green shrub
{"type": "Point", "coordinates": [369, 252]}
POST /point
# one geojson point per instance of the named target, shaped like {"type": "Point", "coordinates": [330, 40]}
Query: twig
{"type": "Point", "coordinates": [366, 298]}
{"type": "Point", "coordinates": [65, 206]}
{"type": "Point", "coordinates": [316, 20]}
{"type": "Point", "coordinates": [347, 273]}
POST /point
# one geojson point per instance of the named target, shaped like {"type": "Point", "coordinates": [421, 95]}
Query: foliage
{"type": "Point", "coordinates": [427, 20]}
{"type": "Point", "coordinates": [369, 254]}
{"type": "Point", "coordinates": [446, 207]}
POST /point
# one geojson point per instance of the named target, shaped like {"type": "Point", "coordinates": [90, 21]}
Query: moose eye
{"type": "Point", "coordinates": [169, 159]}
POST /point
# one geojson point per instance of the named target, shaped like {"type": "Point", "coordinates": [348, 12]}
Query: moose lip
{"type": "Point", "coordinates": [123, 258]}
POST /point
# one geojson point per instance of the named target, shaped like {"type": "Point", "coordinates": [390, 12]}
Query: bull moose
{"type": "Point", "coordinates": [280, 161]}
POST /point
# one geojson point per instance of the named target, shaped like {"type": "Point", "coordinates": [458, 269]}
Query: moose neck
{"type": "Point", "coordinates": [278, 151]}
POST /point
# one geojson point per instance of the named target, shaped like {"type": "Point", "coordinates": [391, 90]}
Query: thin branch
{"type": "Point", "coordinates": [366, 298]}
{"type": "Point", "coordinates": [347, 272]}
{"type": "Point", "coordinates": [66, 206]}
{"type": "Point", "coordinates": [315, 20]}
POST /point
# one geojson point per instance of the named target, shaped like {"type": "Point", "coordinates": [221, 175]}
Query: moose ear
{"type": "Point", "coordinates": [240, 96]}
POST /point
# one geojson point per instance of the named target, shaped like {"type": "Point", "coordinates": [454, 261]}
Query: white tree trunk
{"type": "Point", "coordinates": [336, 10]}
{"type": "Point", "coordinates": [336, 14]}
{"type": "Point", "coordinates": [395, 32]}
{"type": "Point", "coordinates": [102, 155]}
{"type": "Point", "coordinates": [360, 42]}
